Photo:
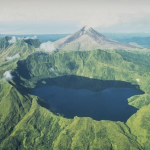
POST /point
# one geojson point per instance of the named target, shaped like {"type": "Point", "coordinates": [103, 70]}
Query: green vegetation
{"type": "Point", "coordinates": [139, 126]}
{"type": "Point", "coordinates": [4, 43]}
{"type": "Point", "coordinates": [33, 42]}
{"type": "Point", "coordinates": [96, 64]}
{"type": "Point", "coordinates": [35, 127]}
{"type": "Point", "coordinates": [139, 101]}
{"type": "Point", "coordinates": [26, 123]}
{"type": "Point", "coordinates": [20, 47]}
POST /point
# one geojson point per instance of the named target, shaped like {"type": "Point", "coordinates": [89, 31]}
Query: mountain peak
{"type": "Point", "coordinates": [87, 39]}
{"type": "Point", "coordinates": [90, 32]}
{"type": "Point", "coordinates": [86, 28]}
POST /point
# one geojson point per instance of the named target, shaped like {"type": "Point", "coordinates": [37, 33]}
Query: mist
{"type": "Point", "coordinates": [7, 76]}
{"type": "Point", "coordinates": [12, 57]}
{"type": "Point", "coordinates": [13, 40]}
{"type": "Point", "coordinates": [47, 47]}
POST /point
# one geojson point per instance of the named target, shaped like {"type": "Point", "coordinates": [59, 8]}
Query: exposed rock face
{"type": "Point", "coordinates": [88, 39]}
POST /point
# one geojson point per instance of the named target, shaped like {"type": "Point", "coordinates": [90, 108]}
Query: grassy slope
{"type": "Point", "coordinates": [4, 43]}
{"type": "Point", "coordinates": [35, 127]}
{"type": "Point", "coordinates": [20, 47]}
{"type": "Point", "coordinates": [95, 64]}
{"type": "Point", "coordinates": [40, 129]}
{"type": "Point", "coordinates": [139, 101]}
{"type": "Point", "coordinates": [13, 106]}
{"type": "Point", "coordinates": [140, 126]}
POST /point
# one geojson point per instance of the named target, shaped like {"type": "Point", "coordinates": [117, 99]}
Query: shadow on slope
{"type": "Point", "coordinates": [80, 82]}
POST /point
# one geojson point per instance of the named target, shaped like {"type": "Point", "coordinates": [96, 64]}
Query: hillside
{"type": "Point", "coordinates": [35, 127]}
{"type": "Point", "coordinates": [16, 51]}
{"type": "Point", "coordinates": [4, 42]}
{"type": "Point", "coordinates": [27, 123]}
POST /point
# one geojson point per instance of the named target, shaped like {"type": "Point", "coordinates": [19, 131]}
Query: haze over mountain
{"type": "Point", "coordinates": [88, 39]}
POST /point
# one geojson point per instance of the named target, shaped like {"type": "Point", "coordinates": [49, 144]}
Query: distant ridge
{"type": "Point", "coordinates": [88, 39]}
{"type": "Point", "coordinates": [22, 47]}
{"type": "Point", "coordinates": [4, 42]}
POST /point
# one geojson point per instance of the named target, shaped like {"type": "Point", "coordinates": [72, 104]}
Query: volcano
{"type": "Point", "coordinates": [88, 39]}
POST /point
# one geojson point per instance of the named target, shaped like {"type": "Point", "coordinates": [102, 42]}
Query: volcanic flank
{"type": "Point", "coordinates": [88, 39]}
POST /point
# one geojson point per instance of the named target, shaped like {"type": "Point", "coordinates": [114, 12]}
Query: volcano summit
{"type": "Point", "coordinates": [88, 39]}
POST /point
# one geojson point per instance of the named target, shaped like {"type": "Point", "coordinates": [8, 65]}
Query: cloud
{"type": "Point", "coordinates": [7, 76]}
{"type": "Point", "coordinates": [13, 57]}
{"type": "Point", "coordinates": [52, 69]}
{"type": "Point", "coordinates": [27, 38]}
{"type": "Point", "coordinates": [103, 19]}
{"type": "Point", "coordinates": [138, 80]}
{"type": "Point", "coordinates": [47, 47]}
{"type": "Point", "coordinates": [95, 13]}
{"type": "Point", "coordinates": [106, 19]}
{"type": "Point", "coordinates": [48, 10]}
{"type": "Point", "coordinates": [13, 40]}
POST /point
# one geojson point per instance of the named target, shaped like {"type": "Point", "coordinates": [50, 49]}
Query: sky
{"type": "Point", "coordinates": [68, 16]}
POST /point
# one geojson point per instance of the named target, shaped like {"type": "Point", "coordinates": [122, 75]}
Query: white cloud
{"type": "Point", "coordinates": [13, 40]}
{"type": "Point", "coordinates": [7, 76]}
{"type": "Point", "coordinates": [47, 47]}
{"type": "Point", "coordinates": [52, 69]}
{"type": "Point", "coordinates": [13, 57]}
{"type": "Point", "coordinates": [34, 37]}
{"type": "Point", "coordinates": [27, 38]}
{"type": "Point", "coordinates": [94, 13]}
{"type": "Point", "coordinates": [138, 80]}
{"type": "Point", "coordinates": [102, 19]}
{"type": "Point", "coordinates": [48, 10]}
{"type": "Point", "coordinates": [107, 19]}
